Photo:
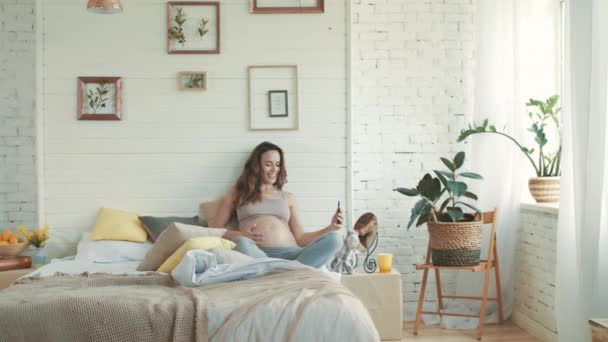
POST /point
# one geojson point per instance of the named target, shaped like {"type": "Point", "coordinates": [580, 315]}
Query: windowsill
{"type": "Point", "coordinates": [547, 208]}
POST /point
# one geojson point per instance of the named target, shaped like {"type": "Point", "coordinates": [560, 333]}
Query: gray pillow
{"type": "Point", "coordinates": [155, 225]}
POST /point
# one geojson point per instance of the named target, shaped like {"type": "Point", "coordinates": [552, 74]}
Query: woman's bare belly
{"type": "Point", "coordinates": [275, 231]}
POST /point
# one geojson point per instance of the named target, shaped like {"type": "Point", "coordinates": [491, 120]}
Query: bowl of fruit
{"type": "Point", "coordinates": [11, 245]}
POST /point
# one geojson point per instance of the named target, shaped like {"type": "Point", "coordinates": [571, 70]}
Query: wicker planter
{"type": "Point", "coordinates": [455, 243]}
{"type": "Point", "coordinates": [544, 189]}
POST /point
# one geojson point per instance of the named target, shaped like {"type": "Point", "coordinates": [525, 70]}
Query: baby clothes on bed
{"type": "Point", "coordinates": [316, 254]}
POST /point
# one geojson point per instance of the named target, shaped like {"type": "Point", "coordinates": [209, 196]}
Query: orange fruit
{"type": "Point", "coordinates": [13, 239]}
{"type": "Point", "coordinates": [3, 242]}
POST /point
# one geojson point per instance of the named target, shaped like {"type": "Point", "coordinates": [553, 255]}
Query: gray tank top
{"type": "Point", "coordinates": [267, 206]}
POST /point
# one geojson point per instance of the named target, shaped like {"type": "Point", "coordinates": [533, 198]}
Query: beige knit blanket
{"type": "Point", "coordinates": [102, 307]}
{"type": "Point", "coordinates": [152, 307]}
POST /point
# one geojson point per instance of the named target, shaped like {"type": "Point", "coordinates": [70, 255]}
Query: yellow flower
{"type": "Point", "coordinates": [37, 237]}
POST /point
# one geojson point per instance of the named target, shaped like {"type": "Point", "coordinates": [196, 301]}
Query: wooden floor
{"type": "Point", "coordinates": [506, 332]}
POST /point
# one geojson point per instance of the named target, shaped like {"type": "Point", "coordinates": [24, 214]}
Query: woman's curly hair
{"type": "Point", "coordinates": [248, 184]}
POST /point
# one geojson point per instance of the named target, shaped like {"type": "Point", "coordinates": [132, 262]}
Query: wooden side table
{"type": "Point", "coordinates": [381, 295]}
{"type": "Point", "coordinates": [8, 277]}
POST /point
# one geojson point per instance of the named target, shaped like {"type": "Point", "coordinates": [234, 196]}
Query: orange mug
{"type": "Point", "coordinates": [385, 262]}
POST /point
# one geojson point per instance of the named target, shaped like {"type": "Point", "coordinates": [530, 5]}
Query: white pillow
{"type": "Point", "coordinates": [106, 251]}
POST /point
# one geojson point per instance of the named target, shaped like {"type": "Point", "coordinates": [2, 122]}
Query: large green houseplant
{"type": "Point", "coordinates": [454, 235]}
{"type": "Point", "coordinates": [545, 186]}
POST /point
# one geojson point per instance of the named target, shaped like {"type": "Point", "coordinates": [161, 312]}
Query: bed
{"type": "Point", "coordinates": [74, 300]}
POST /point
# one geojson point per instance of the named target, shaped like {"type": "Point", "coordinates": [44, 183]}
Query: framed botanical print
{"type": "Point", "coordinates": [192, 80]}
{"type": "Point", "coordinates": [287, 6]}
{"type": "Point", "coordinates": [99, 98]}
{"type": "Point", "coordinates": [193, 27]}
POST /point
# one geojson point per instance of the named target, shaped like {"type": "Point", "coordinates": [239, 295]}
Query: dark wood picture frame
{"type": "Point", "coordinates": [319, 7]}
{"type": "Point", "coordinates": [171, 49]}
{"type": "Point", "coordinates": [285, 111]}
{"type": "Point", "coordinates": [116, 113]}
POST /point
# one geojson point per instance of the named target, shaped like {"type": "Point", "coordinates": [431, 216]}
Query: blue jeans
{"type": "Point", "coordinates": [315, 254]}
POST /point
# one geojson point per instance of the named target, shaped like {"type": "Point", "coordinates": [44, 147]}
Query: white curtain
{"type": "Point", "coordinates": [517, 59]}
{"type": "Point", "coordinates": [582, 242]}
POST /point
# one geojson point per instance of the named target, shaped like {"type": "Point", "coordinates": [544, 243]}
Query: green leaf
{"type": "Point", "coordinates": [457, 188]}
{"type": "Point", "coordinates": [448, 175]}
{"type": "Point", "coordinates": [407, 192]}
{"type": "Point", "coordinates": [449, 164]}
{"type": "Point", "coordinates": [416, 211]}
{"type": "Point", "coordinates": [527, 151]}
{"type": "Point", "coordinates": [455, 213]}
{"type": "Point", "coordinates": [492, 128]}
{"type": "Point", "coordinates": [459, 159]}
{"type": "Point", "coordinates": [444, 204]}
{"type": "Point", "coordinates": [429, 187]}
{"type": "Point", "coordinates": [470, 206]}
{"type": "Point", "coordinates": [441, 177]}
{"type": "Point", "coordinates": [470, 175]}
{"type": "Point", "coordinates": [470, 195]}
{"type": "Point", "coordinates": [424, 216]}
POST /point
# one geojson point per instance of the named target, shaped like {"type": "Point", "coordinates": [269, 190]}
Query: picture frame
{"type": "Point", "coordinates": [193, 27]}
{"type": "Point", "coordinates": [287, 6]}
{"type": "Point", "coordinates": [273, 97]}
{"type": "Point", "coordinates": [99, 98]}
{"type": "Point", "coordinates": [278, 103]}
{"type": "Point", "coordinates": [192, 80]}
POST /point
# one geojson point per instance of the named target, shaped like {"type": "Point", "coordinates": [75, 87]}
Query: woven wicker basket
{"type": "Point", "coordinates": [544, 189]}
{"type": "Point", "coordinates": [455, 243]}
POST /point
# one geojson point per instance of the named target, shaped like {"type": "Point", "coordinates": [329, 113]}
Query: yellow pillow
{"type": "Point", "coordinates": [205, 242]}
{"type": "Point", "coordinates": [113, 224]}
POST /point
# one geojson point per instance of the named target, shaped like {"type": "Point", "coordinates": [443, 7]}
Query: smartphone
{"type": "Point", "coordinates": [339, 211]}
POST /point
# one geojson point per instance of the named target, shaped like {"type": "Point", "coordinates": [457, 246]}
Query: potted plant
{"type": "Point", "coordinates": [545, 186]}
{"type": "Point", "coordinates": [454, 236]}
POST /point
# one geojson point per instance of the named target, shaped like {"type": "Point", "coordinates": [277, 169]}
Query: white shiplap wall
{"type": "Point", "coordinates": [175, 149]}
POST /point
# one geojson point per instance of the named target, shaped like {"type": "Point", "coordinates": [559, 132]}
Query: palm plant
{"type": "Point", "coordinates": [547, 164]}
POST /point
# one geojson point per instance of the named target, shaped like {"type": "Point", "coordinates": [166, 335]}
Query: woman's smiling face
{"type": "Point", "coordinates": [270, 165]}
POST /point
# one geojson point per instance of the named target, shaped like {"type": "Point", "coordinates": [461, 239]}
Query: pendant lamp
{"type": "Point", "coordinates": [104, 6]}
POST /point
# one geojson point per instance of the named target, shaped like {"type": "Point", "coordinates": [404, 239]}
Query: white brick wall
{"type": "Point", "coordinates": [412, 80]}
{"type": "Point", "coordinates": [17, 114]}
{"type": "Point", "coordinates": [535, 283]}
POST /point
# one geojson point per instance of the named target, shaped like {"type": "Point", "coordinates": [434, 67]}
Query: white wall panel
{"type": "Point", "coordinates": [174, 149]}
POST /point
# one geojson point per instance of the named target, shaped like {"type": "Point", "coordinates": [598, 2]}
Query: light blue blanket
{"type": "Point", "coordinates": [199, 267]}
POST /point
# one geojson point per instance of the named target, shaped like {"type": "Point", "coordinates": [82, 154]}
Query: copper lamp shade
{"type": "Point", "coordinates": [104, 6]}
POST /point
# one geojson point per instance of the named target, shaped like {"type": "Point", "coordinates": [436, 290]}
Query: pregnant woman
{"type": "Point", "coordinates": [268, 216]}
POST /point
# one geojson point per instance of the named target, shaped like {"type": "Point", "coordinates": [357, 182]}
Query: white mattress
{"type": "Point", "coordinates": [70, 266]}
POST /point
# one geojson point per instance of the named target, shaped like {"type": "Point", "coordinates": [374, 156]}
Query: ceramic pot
{"type": "Point", "coordinates": [544, 189]}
